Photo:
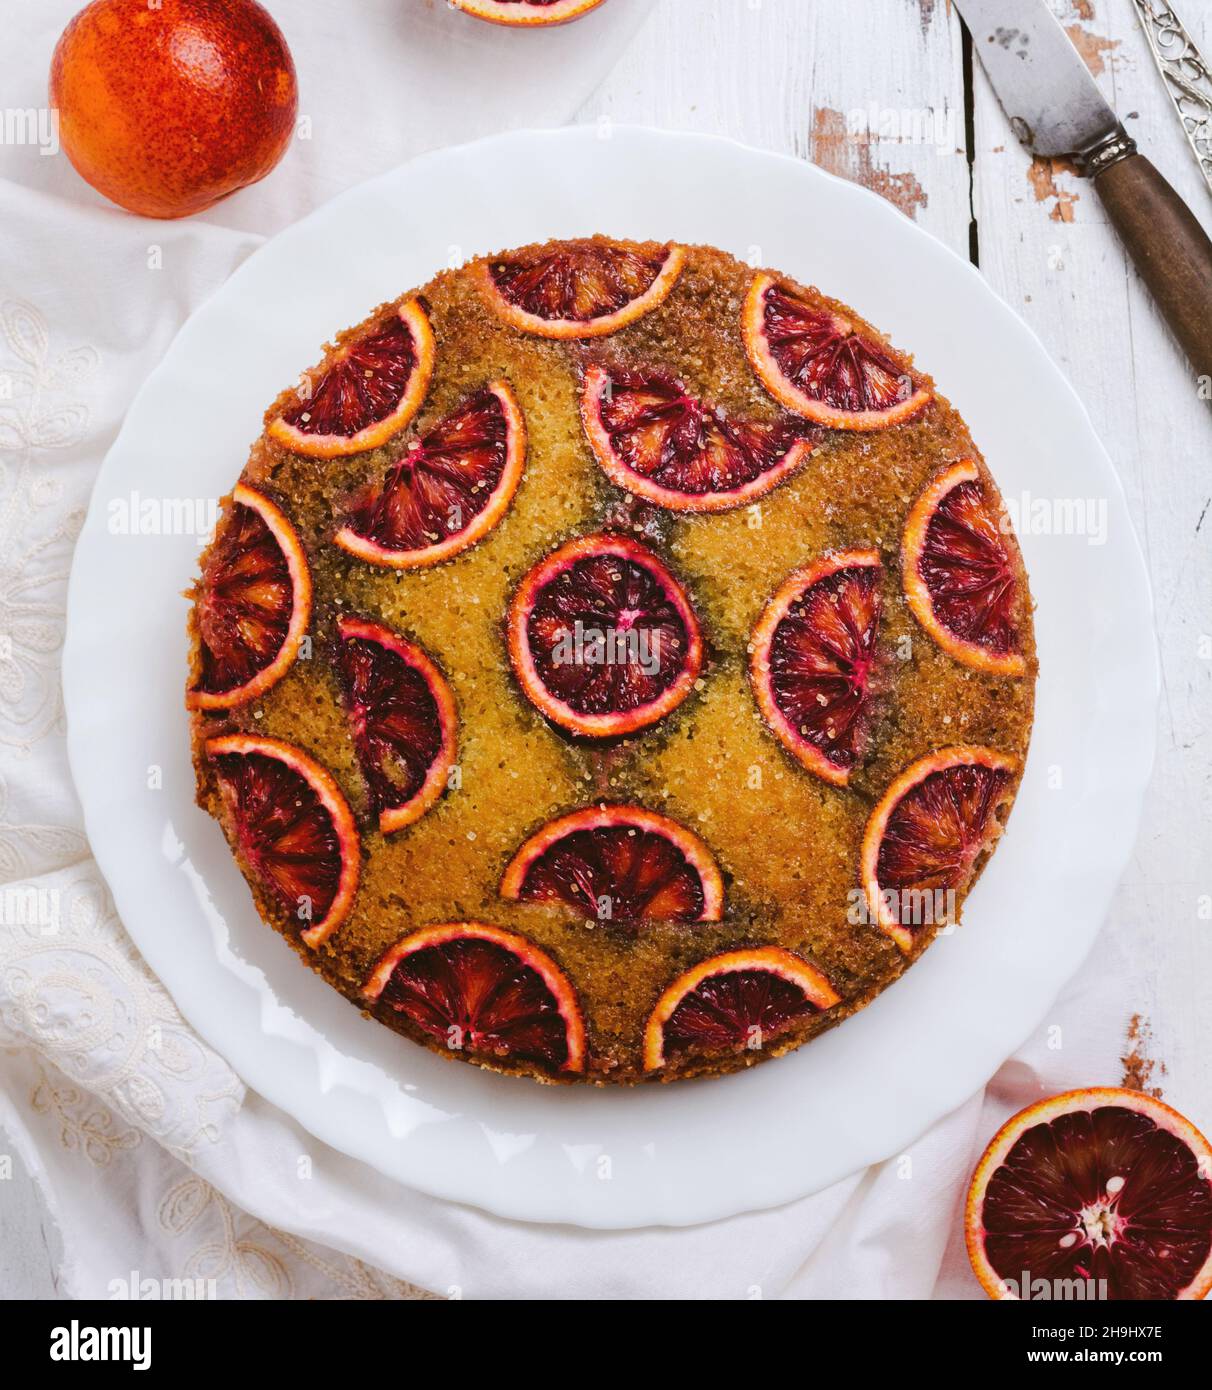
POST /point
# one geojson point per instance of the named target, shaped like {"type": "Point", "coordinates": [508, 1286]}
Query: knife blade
{"type": "Point", "coordinates": [1055, 108]}
{"type": "Point", "coordinates": [1053, 103]}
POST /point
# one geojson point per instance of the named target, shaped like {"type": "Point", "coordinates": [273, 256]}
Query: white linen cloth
{"type": "Point", "coordinates": [155, 1161]}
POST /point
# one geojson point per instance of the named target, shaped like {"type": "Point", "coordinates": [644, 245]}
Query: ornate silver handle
{"type": "Point", "coordinates": [1186, 74]}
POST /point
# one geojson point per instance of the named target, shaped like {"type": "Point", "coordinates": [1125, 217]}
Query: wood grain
{"type": "Point", "coordinates": [1169, 249]}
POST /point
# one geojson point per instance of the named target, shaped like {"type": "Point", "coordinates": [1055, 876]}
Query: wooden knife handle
{"type": "Point", "coordinates": [1170, 248]}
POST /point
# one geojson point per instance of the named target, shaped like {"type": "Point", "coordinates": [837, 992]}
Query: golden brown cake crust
{"type": "Point", "coordinates": [787, 843]}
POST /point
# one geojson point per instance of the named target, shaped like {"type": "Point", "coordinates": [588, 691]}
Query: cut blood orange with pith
{"type": "Point", "coordinates": [475, 988]}
{"type": "Point", "coordinates": [960, 576]}
{"type": "Point", "coordinates": [446, 491]}
{"type": "Point", "coordinates": [739, 1001]}
{"type": "Point", "coordinates": [253, 604]}
{"type": "Point", "coordinates": [292, 828]}
{"type": "Point", "coordinates": [620, 864]}
{"type": "Point", "coordinates": [930, 833]}
{"type": "Point", "coordinates": [364, 392]}
{"type": "Point", "coordinates": [655, 439]}
{"type": "Point", "coordinates": [816, 362]}
{"type": "Point", "coordinates": [1102, 1193]}
{"type": "Point", "coordinates": [580, 289]}
{"type": "Point", "coordinates": [527, 14]}
{"type": "Point", "coordinates": [402, 717]}
{"type": "Point", "coordinates": [602, 637]}
{"type": "Point", "coordinates": [812, 660]}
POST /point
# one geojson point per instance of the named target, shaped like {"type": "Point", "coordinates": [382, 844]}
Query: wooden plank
{"type": "Point", "coordinates": [871, 92]}
{"type": "Point", "coordinates": [1046, 247]}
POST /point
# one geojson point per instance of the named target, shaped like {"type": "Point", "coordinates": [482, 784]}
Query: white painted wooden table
{"type": "Point", "coordinates": [879, 91]}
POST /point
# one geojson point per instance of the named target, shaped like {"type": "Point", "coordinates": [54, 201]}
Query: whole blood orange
{"type": "Point", "coordinates": [167, 108]}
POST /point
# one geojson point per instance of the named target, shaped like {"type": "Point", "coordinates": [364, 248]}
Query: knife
{"type": "Point", "coordinates": [1055, 108]}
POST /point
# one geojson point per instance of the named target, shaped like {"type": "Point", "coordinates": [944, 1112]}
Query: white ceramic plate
{"type": "Point", "coordinates": [677, 1154]}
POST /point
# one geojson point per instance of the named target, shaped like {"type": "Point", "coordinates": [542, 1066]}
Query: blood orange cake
{"type": "Point", "coordinates": [614, 663]}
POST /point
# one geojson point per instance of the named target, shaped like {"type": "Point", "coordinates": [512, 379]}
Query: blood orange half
{"type": "Point", "coordinates": [621, 864]}
{"type": "Point", "coordinates": [656, 440]}
{"type": "Point", "coordinates": [1101, 1193]}
{"type": "Point", "coordinates": [446, 491]}
{"type": "Point", "coordinates": [812, 657]}
{"type": "Point", "coordinates": [527, 14]}
{"type": "Point", "coordinates": [602, 637]}
{"type": "Point", "coordinates": [253, 604]}
{"type": "Point", "coordinates": [402, 717]}
{"type": "Point", "coordinates": [475, 988]}
{"type": "Point", "coordinates": [929, 834]}
{"type": "Point", "coordinates": [739, 1001]}
{"type": "Point", "coordinates": [580, 289]}
{"type": "Point", "coordinates": [960, 577]}
{"type": "Point", "coordinates": [816, 362]}
{"type": "Point", "coordinates": [293, 829]}
{"type": "Point", "coordinates": [365, 391]}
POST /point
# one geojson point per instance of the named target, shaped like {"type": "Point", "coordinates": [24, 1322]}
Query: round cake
{"type": "Point", "coordinates": [613, 664]}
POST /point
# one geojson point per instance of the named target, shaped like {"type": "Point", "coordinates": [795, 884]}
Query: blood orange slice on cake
{"type": "Point", "coordinates": [812, 659]}
{"type": "Point", "coordinates": [364, 392]}
{"type": "Point", "coordinates": [816, 362]}
{"type": "Point", "coordinates": [960, 576]}
{"type": "Point", "coordinates": [580, 289]}
{"type": "Point", "coordinates": [602, 637]}
{"type": "Point", "coordinates": [446, 491]}
{"type": "Point", "coordinates": [402, 718]}
{"type": "Point", "coordinates": [475, 988]}
{"type": "Point", "coordinates": [655, 439]}
{"type": "Point", "coordinates": [292, 827]}
{"type": "Point", "coordinates": [929, 835]}
{"type": "Point", "coordinates": [739, 1001]}
{"type": "Point", "coordinates": [1102, 1193]}
{"type": "Point", "coordinates": [253, 604]}
{"type": "Point", "coordinates": [621, 864]}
